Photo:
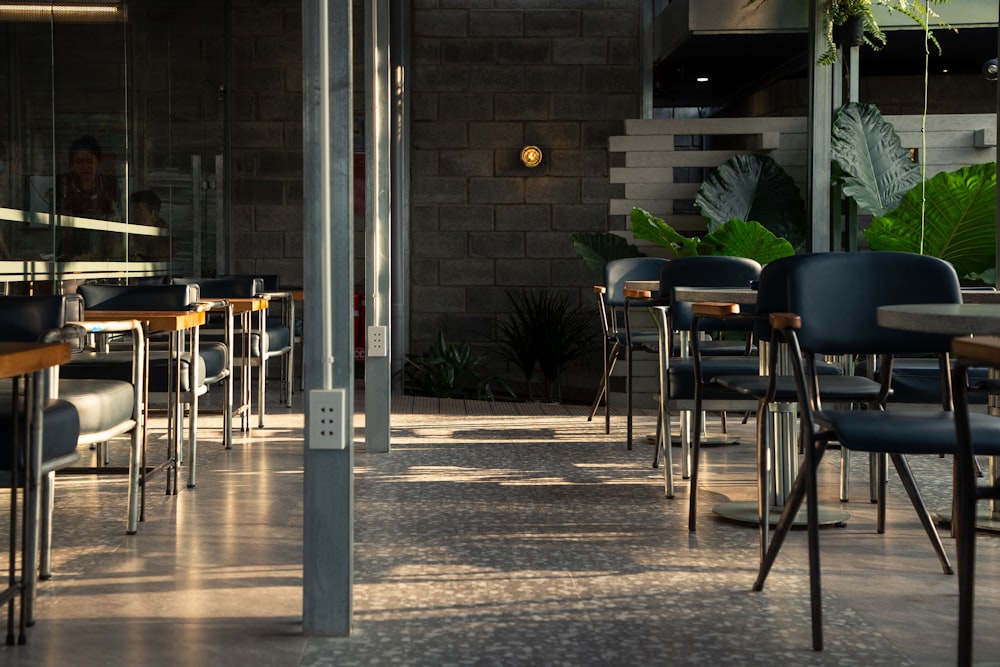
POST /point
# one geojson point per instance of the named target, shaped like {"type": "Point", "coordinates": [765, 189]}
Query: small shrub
{"type": "Point", "coordinates": [451, 370]}
{"type": "Point", "coordinates": [544, 329]}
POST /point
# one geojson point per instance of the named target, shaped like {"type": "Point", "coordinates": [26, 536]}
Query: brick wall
{"type": "Point", "coordinates": [266, 103]}
{"type": "Point", "coordinates": [488, 77]}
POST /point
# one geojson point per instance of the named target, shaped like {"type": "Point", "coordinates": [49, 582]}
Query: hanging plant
{"type": "Point", "coordinates": [840, 13]}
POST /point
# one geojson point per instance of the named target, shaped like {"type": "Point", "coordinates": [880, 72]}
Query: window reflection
{"type": "Point", "coordinates": [103, 133]}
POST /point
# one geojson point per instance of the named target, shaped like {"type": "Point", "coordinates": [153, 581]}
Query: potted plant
{"type": "Point", "coordinates": [852, 22]}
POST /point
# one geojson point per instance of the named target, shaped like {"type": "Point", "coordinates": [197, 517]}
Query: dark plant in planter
{"type": "Point", "coordinates": [451, 370]}
{"type": "Point", "coordinates": [544, 329]}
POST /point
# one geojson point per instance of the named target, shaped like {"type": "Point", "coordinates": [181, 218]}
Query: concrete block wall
{"type": "Point", "coordinates": [487, 78]}
{"type": "Point", "coordinates": [266, 104]}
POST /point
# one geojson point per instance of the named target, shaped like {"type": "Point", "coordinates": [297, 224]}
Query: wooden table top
{"type": "Point", "coordinates": [156, 320]}
{"type": "Point", "coordinates": [246, 304]}
{"type": "Point", "coordinates": [22, 358]}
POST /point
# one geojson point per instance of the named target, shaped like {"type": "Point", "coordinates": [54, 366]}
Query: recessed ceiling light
{"type": "Point", "coordinates": [702, 79]}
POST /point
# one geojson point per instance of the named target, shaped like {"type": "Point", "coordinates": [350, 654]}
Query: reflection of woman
{"type": "Point", "coordinates": [85, 192]}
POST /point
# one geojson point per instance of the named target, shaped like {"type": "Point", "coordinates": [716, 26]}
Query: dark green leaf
{"type": "Point", "coordinates": [599, 248]}
{"type": "Point", "coordinates": [753, 187]}
{"type": "Point", "coordinates": [878, 170]}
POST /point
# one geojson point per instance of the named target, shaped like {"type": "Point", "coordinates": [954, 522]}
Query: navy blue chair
{"type": "Point", "coordinates": [775, 385]}
{"type": "Point", "coordinates": [832, 309]}
{"type": "Point", "coordinates": [282, 322]}
{"type": "Point", "coordinates": [197, 371]}
{"type": "Point", "coordinates": [106, 407]}
{"type": "Point", "coordinates": [614, 311]}
{"type": "Point", "coordinates": [678, 385]}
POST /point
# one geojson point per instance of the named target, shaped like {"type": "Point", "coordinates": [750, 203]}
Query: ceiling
{"type": "Point", "coordinates": [739, 64]}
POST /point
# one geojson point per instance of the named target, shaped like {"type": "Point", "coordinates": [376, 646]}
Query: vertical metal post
{"type": "Point", "coordinates": [197, 215]}
{"type": "Point", "coordinates": [853, 55]}
{"type": "Point", "coordinates": [328, 187]}
{"type": "Point", "coordinates": [647, 55]}
{"type": "Point", "coordinates": [222, 236]}
{"type": "Point", "coordinates": [997, 86]}
{"type": "Point", "coordinates": [399, 200]}
{"type": "Point", "coordinates": [378, 251]}
{"type": "Point", "coordinates": [820, 105]}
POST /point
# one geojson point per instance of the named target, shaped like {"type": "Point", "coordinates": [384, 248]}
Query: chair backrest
{"type": "Point", "coordinates": [223, 288]}
{"type": "Point", "coordinates": [837, 296]}
{"type": "Point", "coordinates": [269, 282]}
{"type": "Point", "coordinates": [618, 271]}
{"type": "Point", "coordinates": [704, 271]}
{"type": "Point", "coordinates": [138, 297]}
{"type": "Point", "coordinates": [25, 318]}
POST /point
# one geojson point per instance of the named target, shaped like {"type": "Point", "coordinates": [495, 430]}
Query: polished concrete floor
{"type": "Point", "coordinates": [503, 534]}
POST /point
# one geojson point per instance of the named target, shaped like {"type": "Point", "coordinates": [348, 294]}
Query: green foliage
{"type": "Point", "coordinates": [878, 170]}
{"type": "Point", "coordinates": [747, 238]}
{"type": "Point", "coordinates": [648, 227]}
{"type": "Point", "coordinates": [545, 329]}
{"type": "Point", "coordinates": [753, 187]}
{"type": "Point", "coordinates": [449, 370]}
{"type": "Point", "coordinates": [959, 224]}
{"type": "Point", "coordinates": [599, 248]}
{"type": "Point", "coordinates": [837, 12]}
{"type": "Point", "coordinates": [736, 238]}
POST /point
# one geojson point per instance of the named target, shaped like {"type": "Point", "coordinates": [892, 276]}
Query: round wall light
{"type": "Point", "coordinates": [531, 156]}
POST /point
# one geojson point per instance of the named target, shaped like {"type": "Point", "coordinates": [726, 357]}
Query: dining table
{"type": "Point", "coordinates": [979, 314]}
{"type": "Point", "coordinates": [241, 309]}
{"type": "Point", "coordinates": [783, 423]}
{"type": "Point", "coordinates": [30, 361]}
{"type": "Point", "coordinates": [175, 323]}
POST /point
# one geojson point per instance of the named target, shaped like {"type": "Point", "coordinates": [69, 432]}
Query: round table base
{"type": "Point", "coordinates": [985, 520]}
{"type": "Point", "coordinates": [708, 441]}
{"type": "Point", "coordinates": [745, 511]}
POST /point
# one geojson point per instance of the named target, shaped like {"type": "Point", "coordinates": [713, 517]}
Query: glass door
{"type": "Point", "coordinates": [111, 108]}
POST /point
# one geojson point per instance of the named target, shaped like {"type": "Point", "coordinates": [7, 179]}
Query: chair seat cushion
{"type": "Point", "coordinates": [117, 365]}
{"type": "Point", "coordinates": [276, 340]}
{"type": "Point", "coordinates": [215, 359]}
{"type": "Point", "coordinates": [832, 387]}
{"type": "Point", "coordinates": [680, 375]}
{"type": "Point", "coordinates": [908, 432]}
{"type": "Point", "coordinates": [102, 404]}
{"type": "Point", "coordinates": [918, 380]}
{"type": "Point", "coordinates": [60, 429]}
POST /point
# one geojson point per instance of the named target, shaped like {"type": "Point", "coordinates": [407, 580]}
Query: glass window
{"type": "Point", "coordinates": [111, 140]}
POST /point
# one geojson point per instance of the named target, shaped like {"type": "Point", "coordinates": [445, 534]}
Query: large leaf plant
{"type": "Point", "coordinates": [959, 224]}
{"type": "Point", "coordinates": [598, 248]}
{"type": "Point", "coordinates": [877, 170]}
{"type": "Point", "coordinates": [736, 238]}
{"type": "Point", "coordinates": [753, 187]}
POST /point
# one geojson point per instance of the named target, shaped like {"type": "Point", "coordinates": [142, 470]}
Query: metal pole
{"type": "Point", "coordinates": [378, 251]}
{"type": "Point", "coordinates": [399, 201]}
{"type": "Point", "coordinates": [328, 187]}
{"type": "Point", "coordinates": [820, 121]}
